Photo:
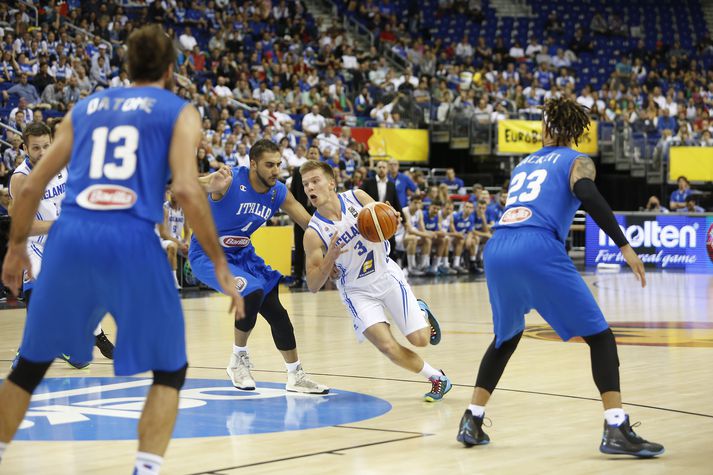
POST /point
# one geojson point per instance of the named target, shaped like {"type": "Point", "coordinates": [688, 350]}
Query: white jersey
{"type": "Point", "coordinates": [364, 260]}
{"type": "Point", "coordinates": [414, 219]}
{"type": "Point", "coordinates": [49, 207]}
{"type": "Point", "coordinates": [445, 221]}
{"type": "Point", "coordinates": [176, 221]}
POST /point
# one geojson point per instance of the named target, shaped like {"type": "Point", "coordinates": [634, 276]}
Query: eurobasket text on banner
{"type": "Point", "coordinates": [525, 136]}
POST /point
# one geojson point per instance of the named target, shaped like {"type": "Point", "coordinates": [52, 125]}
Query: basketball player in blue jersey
{"type": "Point", "coordinates": [37, 138]}
{"type": "Point", "coordinates": [241, 200]}
{"type": "Point", "coordinates": [369, 282]}
{"type": "Point", "coordinates": [102, 255]}
{"type": "Point", "coordinates": [527, 267]}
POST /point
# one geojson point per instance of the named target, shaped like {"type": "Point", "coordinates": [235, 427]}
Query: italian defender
{"type": "Point", "coordinates": [369, 282]}
{"type": "Point", "coordinates": [527, 267]}
{"type": "Point", "coordinates": [37, 138]}
{"type": "Point", "coordinates": [102, 255]}
{"type": "Point", "coordinates": [242, 199]}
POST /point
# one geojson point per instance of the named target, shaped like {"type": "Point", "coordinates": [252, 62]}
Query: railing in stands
{"type": "Point", "coordinates": [11, 129]}
{"type": "Point", "coordinates": [30, 5]}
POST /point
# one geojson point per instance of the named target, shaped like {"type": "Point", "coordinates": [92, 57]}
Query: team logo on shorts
{"type": "Point", "coordinates": [241, 283]}
{"type": "Point", "coordinates": [242, 188]}
{"type": "Point", "coordinates": [516, 215]}
{"type": "Point", "coordinates": [234, 241]}
{"type": "Point", "coordinates": [106, 197]}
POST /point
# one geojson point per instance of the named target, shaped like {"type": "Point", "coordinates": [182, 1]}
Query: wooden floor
{"type": "Point", "coordinates": [545, 414]}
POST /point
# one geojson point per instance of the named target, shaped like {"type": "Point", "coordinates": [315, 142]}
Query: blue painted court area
{"type": "Point", "coordinates": [109, 409]}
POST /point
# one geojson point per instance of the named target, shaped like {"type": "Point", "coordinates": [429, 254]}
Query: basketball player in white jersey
{"type": "Point", "coordinates": [415, 235]}
{"type": "Point", "coordinates": [174, 234]}
{"type": "Point", "coordinates": [369, 282]}
{"type": "Point", "coordinates": [37, 138]}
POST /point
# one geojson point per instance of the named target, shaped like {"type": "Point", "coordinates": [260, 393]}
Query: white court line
{"type": "Point", "coordinates": [91, 390]}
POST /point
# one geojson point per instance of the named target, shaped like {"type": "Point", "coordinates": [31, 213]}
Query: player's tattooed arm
{"type": "Point", "coordinates": [583, 168]}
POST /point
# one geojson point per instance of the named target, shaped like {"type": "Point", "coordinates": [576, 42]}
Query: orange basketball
{"type": "Point", "coordinates": [377, 222]}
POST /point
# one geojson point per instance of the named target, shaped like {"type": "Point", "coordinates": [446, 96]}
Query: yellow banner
{"type": "Point", "coordinates": [695, 163]}
{"type": "Point", "coordinates": [524, 136]}
{"type": "Point", "coordinates": [405, 145]}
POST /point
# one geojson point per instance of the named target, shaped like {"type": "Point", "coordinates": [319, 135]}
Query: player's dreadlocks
{"type": "Point", "coordinates": [565, 120]}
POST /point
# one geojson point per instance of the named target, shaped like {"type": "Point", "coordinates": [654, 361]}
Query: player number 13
{"type": "Point", "coordinates": [125, 153]}
{"type": "Point", "coordinates": [534, 182]}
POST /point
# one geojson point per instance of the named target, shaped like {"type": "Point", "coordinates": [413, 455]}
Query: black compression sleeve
{"type": "Point", "coordinates": [598, 208]}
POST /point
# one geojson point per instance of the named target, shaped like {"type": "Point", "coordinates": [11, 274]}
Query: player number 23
{"type": "Point", "coordinates": [533, 181]}
{"type": "Point", "coordinates": [125, 154]}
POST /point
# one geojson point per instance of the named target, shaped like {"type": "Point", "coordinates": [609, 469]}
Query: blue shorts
{"type": "Point", "coordinates": [97, 264]}
{"type": "Point", "coordinates": [250, 271]}
{"type": "Point", "coordinates": [528, 268]}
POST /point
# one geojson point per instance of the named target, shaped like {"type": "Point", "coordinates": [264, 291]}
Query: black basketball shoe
{"type": "Point", "coordinates": [105, 346]}
{"type": "Point", "coordinates": [470, 432]}
{"type": "Point", "coordinates": [623, 440]}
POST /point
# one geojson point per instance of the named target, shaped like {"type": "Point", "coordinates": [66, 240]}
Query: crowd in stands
{"type": "Point", "coordinates": [258, 69]}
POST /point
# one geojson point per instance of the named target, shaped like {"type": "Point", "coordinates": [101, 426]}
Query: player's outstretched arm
{"type": "Point", "coordinates": [582, 185]}
{"type": "Point", "coordinates": [320, 260]}
{"type": "Point", "coordinates": [295, 211]}
{"type": "Point", "coordinates": [27, 200]}
{"type": "Point", "coordinates": [217, 182]}
{"type": "Point", "coordinates": [192, 198]}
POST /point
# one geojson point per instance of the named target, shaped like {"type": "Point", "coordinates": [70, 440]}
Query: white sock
{"type": "Point", "coordinates": [3, 446]}
{"type": "Point", "coordinates": [411, 258]}
{"type": "Point", "coordinates": [472, 258]}
{"type": "Point", "coordinates": [439, 261]}
{"type": "Point", "coordinates": [615, 417]}
{"type": "Point", "coordinates": [456, 261]}
{"type": "Point", "coordinates": [426, 262]}
{"type": "Point", "coordinates": [98, 330]}
{"type": "Point", "coordinates": [175, 280]}
{"type": "Point", "coordinates": [478, 411]}
{"type": "Point", "coordinates": [237, 349]}
{"type": "Point", "coordinates": [428, 372]}
{"type": "Point", "coordinates": [147, 464]}
{"type": "Point", "coordinates": [292, 367]}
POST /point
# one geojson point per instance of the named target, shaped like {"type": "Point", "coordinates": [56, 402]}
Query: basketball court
{"type": "Point", "coordinates": [545, 414]}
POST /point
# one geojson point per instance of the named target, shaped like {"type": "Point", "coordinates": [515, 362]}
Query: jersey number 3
{"type": "Point", "coordinates": [534, 183]}
{"type": "Point", "coordinates": [125, 154]}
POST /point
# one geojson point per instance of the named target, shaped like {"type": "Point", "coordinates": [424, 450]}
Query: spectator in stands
{"type": "Point", "coordinates": [517, 52]}
{"type": "Point", "coordinates": [533, 49]}
{"type": "Point", "coordinates": [654, 206]}
{"type": "Point", "coordinates": [679, 197]}
{"type": "Point", "coordinates": [598, 24]}
{"type": "Point", "coordinates": [691, 205]}
{"type": "Point", "coordinates": [665, 121]}
{"type": "Point", "coordinates": [455, 184]}
{"type": "Point", "coordinates": [187, 40]}
{"type": "Point", "coordinates": [328, 141]}
{"type": "Point", "coordinates": [24, 90]}
{"type": "Point", "coordinates": [9, 158]}
{"type": "Point", "coordinates": [404, 185]}
{"type": "Point", "coordinates": [706, 139]}
{"type": "Point", "coordinates": [313, 122]}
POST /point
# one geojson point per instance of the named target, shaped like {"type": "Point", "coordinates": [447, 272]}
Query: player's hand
{"type": "Point", "coordinates": [220, 180]}
{"type": "Point", "coordinates": [183, 248]}
{"type": "Point", "coordinates": [16, 261]}
{"type": "Point", "coordinates": [335, 250]}
{"type": "Point", "coordinates": [398, 215]}
{"type": "Point", "coordinates": [227, 285]}
{"type": "Point", "coordinates": [637, 267]}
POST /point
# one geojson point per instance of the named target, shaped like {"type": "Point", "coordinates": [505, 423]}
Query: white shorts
{"type": "Point", "coordinates": [34, 252]}
{"type": "Point", "coordinates": [391, 292]}
{"type": "Point", "coordinates": [399, 238]}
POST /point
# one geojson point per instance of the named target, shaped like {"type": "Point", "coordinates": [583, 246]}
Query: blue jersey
{"type": "Point", "coordinates": [463, 224]}
{"type": "Point", "coordinates": [113, 167]}
{"type": "Point", "coordinates": [242, 210]}
{"type": "Point", "coordinates": [429, 222]}
{"type": "Point", "coordinates": [478, 223]}
{"type": "Point", "coordinates": [539, 194]}
{"type": "Point", "coordinates": [403, 183]}
{"type": "Point", "coordinates": [494, 212]}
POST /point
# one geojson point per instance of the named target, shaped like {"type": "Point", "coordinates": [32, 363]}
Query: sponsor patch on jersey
{"type": "Point", "coordinates": [234, 241]}
{"type": "Point", "coordinates": [242, 188]}
{"type": "Point", "coordinates": [241, 283]}
{"type": "Point", "coordinates": [516, 215]}
{"type": "Point", "coordinates": [106, 197]}
{"type": "Point", "coordinates": [353, 211]}
{"type": "Point", "coordinates": [367, 266]}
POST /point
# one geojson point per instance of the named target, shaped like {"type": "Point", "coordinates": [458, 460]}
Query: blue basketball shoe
{"type": "Point", "coordinates": [440, 385]}
{"type": "Point", "coordinates": [435, 327]}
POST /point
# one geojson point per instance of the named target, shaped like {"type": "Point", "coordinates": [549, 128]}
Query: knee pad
{"type": "Point", "coordinates": [283, 334]}
{"type": "Point", "coordinates": [172, 379]}
{"type": "Point", "coordinates": [252, 303]}
{"type": "Point", "coordinates": [605, 360]}
{"type": "Point", "coordinates": [494, 361]}
{"type": "Point", "coordinates": [28, 375]}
